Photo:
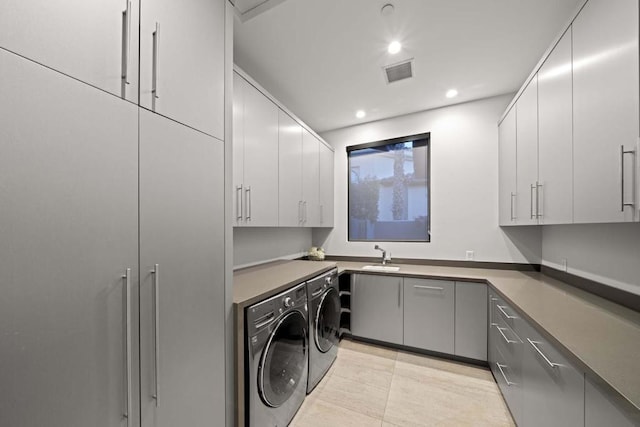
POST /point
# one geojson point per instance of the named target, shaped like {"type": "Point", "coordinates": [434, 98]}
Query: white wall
{"type": "Point", "coordinates": [464, 187]}
{"type": "Point", "coordinates": [606, 253]}
{"type": "Point", "coordinates": [256, 245]}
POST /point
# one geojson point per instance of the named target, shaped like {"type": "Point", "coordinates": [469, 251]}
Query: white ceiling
{"type": "Point", "coordinates": [323, 59]}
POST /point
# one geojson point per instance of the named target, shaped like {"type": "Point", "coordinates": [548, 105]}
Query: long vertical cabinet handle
{"type": "Point", "coordinates": [239, 202]}
{"type": "Point", "coordinates": [299, 212]}
{"type": "Point", "coordinates": [304, 212]}
{"type": "Point", "coordinates": [127, 343]}
{"type": "Point", "coordinates": [247, 202]}
{"type": "Point", "coordinates": [531, 200]}
{"type": "Point", "coordinates": [399, 293]}
{"type": "Point", "coordinates": [622, 153]}
{"type": "Point", "coordinates": [538, 200]}
{"type": "Point", "coordinates": [156, 329]}
{"type": "Point", "coordinates": [321, 214]}
{"type": "Point", "coordinates": [513, 217]}
{"type": "Point", "coordinates": [126, 42]}
{"type": "Point", "coordinates": [156, 59]}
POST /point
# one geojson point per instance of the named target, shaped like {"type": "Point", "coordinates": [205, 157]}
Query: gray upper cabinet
{"type": "Point", "coordinates": [429, 314]}
{"type": "Point", "coordinates": [290, 172]}
{"type": "Point", "coordinates": [470, 320]}
{"type": "Point", "coordinates": [310, 179]}
{"type": "Point", "coordinates": [603, 409]}
{"type": "Point", "coordinates": [326, 186]}
{"type": "Point", "coordinates": [94, 41]}
{"type": "Point", "coordinates": [69, 233]}
{"type": "Point", "coordinates": [605, 111]}
{"type": "Point", "coordinates": [181, 275]}
{"type": "Point", "coordinates": [182, 62]}
{"type": "Point", "coordinates": [527, 194]}
{"type": "Point", "coordinates": [507, 169]}
{"type": "Point", "coordinates": [553, 390]}
{"type": "Point", "coordinates": [377, 307]}
{"type": "Point", "coordinates": [255, 153]}
{"type": "Point", "coordinates": [555, 135]}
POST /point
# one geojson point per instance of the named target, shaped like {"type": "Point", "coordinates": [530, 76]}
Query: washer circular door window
{"type": "Point", "coordinates": [327, 321]}
{"type": "Point", "coordinates": [284, 360]}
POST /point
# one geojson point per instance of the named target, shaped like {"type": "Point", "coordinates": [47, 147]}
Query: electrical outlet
{"type": "Point", "coordinates": [564, 264]}
{"type": "Point", "coordinates": [469, 256]}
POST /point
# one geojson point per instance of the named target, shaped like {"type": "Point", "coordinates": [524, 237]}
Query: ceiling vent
{"type": "Point", "coordinates": [400, 71]}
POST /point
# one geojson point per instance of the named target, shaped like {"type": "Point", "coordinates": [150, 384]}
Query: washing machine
{"type": "Point", "coordinates": [324, 325]}
{"type": "Point", "coordinates": [276, 357]}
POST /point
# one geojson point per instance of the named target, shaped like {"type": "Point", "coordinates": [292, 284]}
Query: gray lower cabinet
{"type": "Point", "coordinates": [182, 275]}
{"type": "Point", "coordinates": [470, 320]}
{"type": "Point", "coordinates": [429, 314]}
{"type": "Point", "coordinates": [553, 392]}
{"type": "Point", "coordinates": [377, 307]}
{"type": "Point", "coordinates": [68, 252]}
{"type": "Point", "coordinates": [601, 408]}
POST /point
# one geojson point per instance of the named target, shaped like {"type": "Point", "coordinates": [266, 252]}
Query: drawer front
{"type": "Point", "coordinates": [510, 384]}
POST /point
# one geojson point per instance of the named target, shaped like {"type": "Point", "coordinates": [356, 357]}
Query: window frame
{"type": "Point", "coordinates": [417, 137]}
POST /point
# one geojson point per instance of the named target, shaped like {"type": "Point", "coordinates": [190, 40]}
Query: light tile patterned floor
{"type": "Point", "coordinates": [375, 386]}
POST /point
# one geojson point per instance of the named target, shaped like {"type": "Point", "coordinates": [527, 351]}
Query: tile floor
{"type": "Point", "coordinates": [375, 386]}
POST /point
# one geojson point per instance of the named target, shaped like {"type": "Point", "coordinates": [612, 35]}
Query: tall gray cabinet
{"type": "Point", "coordinates": [112, 255]}
{"type": "Point", "coordinates": [68, 233]}
{"type": "Point", "coordinates": [181, 281]}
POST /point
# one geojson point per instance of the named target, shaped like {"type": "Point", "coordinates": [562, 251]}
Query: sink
{"type": "Point", "coordinates": [380, 268]}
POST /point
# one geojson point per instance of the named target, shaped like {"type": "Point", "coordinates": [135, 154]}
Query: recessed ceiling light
{"type": "Point", "coordinates": [452, 93]}
{"type": "Point", "coordinates": [394, 47]}
{"type": "Point", "coordinates": [360, 114]}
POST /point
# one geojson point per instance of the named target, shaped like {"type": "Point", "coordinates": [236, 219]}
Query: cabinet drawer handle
{"type": "Point", "coordinates": [504, 336]}
{"type": "Point", "coordinates": [127, 343]}
{"type": "Point", "coordinates": [501, 308]}
{"type": "Point", "coordinates": [509, 383]}
{"type": "Point", "coordinates": [156, 305]}
{"type": "Point", "coordinates": [433, 288]}
{"type": "Point", "coordinates": [546, 359]}
{"type": "Point", "coordinates": [622, 153]}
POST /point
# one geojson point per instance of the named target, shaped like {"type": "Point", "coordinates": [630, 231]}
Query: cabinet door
{"type": "Point", "coordinates": [376, 307]}
{"type": "Point", "coordinates": [471, 320]}
{"type": "Point", "coordinates": [260, 159]}
{"type": "Point", "coordinates": [239, 88]}
{"type": "Point", "coordinates": [310, 179]}
{"type": "Point", "coordinates": [290, 171]}
{"type": "Point", "coordinates": [605, 110]}
{"type": "Point", "coordinates": [553, 390]}
{"type": "Point", "coordinates": [601, 408]}
{"type": "Point", "coordinates": [527, 195]}
{"type": "Point", "coordinates": [95, 41]}
{"type": "Point", "coordinates": [555, 144]}
{"type": "Point", "coordinates": [429, 317]}
{"type": "Point", "coordinates": [69, 231]}
{"type": "Point", "coordinates": [182, 62]}
{"type": "Point", "coordinates": [326, 186]}
{"type": "Point", "coordinates": [507, 169]}
{"type": "Point", "coordinates": [182, 309]}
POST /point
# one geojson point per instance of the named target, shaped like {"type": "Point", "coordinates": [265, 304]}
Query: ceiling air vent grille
{"type": "Point", "coordinates": [400, 71]}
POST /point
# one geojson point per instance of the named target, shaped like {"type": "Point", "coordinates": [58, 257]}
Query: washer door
{"type": "Point", "coordinates": [328, 321]}
{"type": "Point", "coordinates": [284, 360]}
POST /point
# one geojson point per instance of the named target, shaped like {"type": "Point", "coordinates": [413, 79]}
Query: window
{"type": "Point", "coordinates": [389, 190]}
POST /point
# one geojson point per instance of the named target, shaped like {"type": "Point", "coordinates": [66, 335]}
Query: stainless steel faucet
{"type": "Point", "coordinates": [384, 254]}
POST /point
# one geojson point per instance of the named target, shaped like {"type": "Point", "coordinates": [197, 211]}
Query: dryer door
{"type": "Point", "coordinates": [327, 321]}
{"type": "Point", "coordinates": [284, 361]}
